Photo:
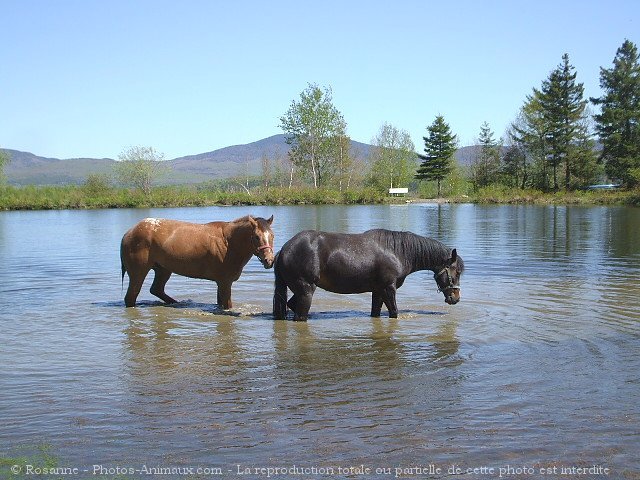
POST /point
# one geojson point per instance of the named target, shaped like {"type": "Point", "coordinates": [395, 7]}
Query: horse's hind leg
{"type": "Point", "coordinates": [136, 279]}
{"type": "Point", "coordinates": [389, 299]}
{"type": "Point", "coordinates": [376, 304]}
{"type": "Point", "coordinates": [159, 281]}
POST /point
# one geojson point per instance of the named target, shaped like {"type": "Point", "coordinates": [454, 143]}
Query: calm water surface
{"type": "Point", "coordinates": [536, 367]}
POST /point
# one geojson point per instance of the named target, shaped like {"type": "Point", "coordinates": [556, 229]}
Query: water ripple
{"type": "Point", "coordinates": [537, 364]}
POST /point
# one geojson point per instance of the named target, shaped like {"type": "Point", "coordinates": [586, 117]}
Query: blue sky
{"type": "Point", "coordinates": [90, 78]}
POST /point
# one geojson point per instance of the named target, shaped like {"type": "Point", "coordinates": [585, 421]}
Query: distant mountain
{"type": "Point", "coordinates": [28, 169]}
{"type": "Point", "coordinates": [240, 159]}
{"type": "Point", "coordinates": [466, 155]}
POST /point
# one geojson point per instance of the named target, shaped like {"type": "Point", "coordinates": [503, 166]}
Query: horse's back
{"type": "Point", "coordinates": [337, 262]}
{"type": "Point", "coordinates": [181, 247]}
{"type": "Point", "coordinates": [311, 244]}
{"type": "Point", "coordinates": [150, 227]}
{"type": "Point", "coordinates": [161, 231]}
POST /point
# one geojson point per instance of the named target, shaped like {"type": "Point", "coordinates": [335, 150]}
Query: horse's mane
{"type": "Point", "coordinates": [415, 250]}
{"type": "Point", "coordinates": [264, 225]}
{"type": "Point", "coordinates": [244, 219]}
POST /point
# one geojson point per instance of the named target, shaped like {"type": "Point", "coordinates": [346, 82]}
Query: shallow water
{"type": "Point", "coordinates": [536, 367]}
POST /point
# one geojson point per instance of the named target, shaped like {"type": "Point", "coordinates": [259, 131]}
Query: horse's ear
{"type": "Point", "coordinates": [454, 255]}
{"type": "Point", "coordinates": [253, 222]}
{"type": "Point", "coordinates": [270, 220]}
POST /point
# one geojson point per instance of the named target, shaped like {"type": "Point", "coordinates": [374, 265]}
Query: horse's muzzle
{"type": "Point", "coordinates": [268, 258]}
{"type": "Point", "coordinates": [267, 262]}
{"type": "Point", "coordinates": [453, 297]}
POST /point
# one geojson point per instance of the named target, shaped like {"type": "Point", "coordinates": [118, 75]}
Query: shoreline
{"type": "Point", "coordinates": [72, 197]}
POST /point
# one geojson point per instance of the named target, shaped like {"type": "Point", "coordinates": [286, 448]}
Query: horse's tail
{"type": "Point", "coordinates": [280, 292]}
{"type": "Point", "coordinates": [122, 266]}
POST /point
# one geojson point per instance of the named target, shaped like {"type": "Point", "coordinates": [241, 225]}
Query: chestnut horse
{"type": "Point", "coordinates": [215, 251]}
{"type": "Point", "coordinates": [376, 261]}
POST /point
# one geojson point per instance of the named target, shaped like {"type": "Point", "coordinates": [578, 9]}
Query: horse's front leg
{"type": "Point", "coordinates": [224, 295]}
{"type": "Point", "coordinates": [303, 305]}
{"type": "Point", "coordinates": [303, 295]}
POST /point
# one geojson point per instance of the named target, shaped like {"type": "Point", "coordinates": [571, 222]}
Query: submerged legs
{"type": "Point", "coordinates": [300, 303]}
{"type": "Point", "coordinates": [388, 297]}
{"type": "Point", "coordinates": [159, 281]}
{"type": "Point", "coordinates": [136, 279]}
{"type": "Point", "coordinates": [293, 301]}
{"type": "Point", "coordinates": [376, 304]}
{"type": "Point", "coordinates": [224, 295]}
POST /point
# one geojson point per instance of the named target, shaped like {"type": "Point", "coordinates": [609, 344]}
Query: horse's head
{"type": "Point", "coordinates": [448, 278]}
{"type": "Point", "coordinates": [262, 240]}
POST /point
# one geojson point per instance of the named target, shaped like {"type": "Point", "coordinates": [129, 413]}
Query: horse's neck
{"type": "Point", "coordinates": [238, 240]}
{"type": "Point", "coordinates": [432, 258]}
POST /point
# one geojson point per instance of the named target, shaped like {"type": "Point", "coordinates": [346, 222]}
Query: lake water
{"type": "Point", "coordinates": [537, 367]}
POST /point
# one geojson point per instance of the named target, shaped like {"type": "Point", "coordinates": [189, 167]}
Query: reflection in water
{"type": "Point", "coordinates": [365, 383]}
{"type": "Point", "coordinates": [536, 365]}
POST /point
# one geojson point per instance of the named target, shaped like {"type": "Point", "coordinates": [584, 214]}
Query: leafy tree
{"type": "Point", "coordinates": [514, 166]}
{"type": "Point", "coordinates": [618, 123]}
{"type": "Point", "coordinates": [439, 147]}
{"type": "Point", "coordinates": [528, 133]}
{"type": "Point", "coordinates": [283, 171]}
{"type": "Point", "coordinates": [139, 167]}
{"type": "Point", "coordinates": [97, 183]}
{"type": "Point", "coordinates": [344, 161]}
{"type": "Point", "coordinates": [266, 170]}
{"type": "Point", "coordinates": [581, 167]}
{"type": "Point", "coordinates": [313, 127]}
{"type": "Point", "coordinates": [393, 159]}
{"type": "Point", "coordinates": [485, 168]}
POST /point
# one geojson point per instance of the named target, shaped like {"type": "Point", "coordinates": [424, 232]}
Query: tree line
{"type": "Point", "coordinates": [551, 145]}
{"type": "Point", "coordinates": [554, 143]}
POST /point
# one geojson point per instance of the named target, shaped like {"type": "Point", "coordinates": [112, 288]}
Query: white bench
{"type": "Point", "coordinates": [398, 191]}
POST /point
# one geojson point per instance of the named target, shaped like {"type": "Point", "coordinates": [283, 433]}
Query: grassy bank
{"type": "Point", "coordinates": [37, 457]}
{"type": "Point", "coordinates": [82, 197]}
{"type": "Point", "coordinates": [504, 195]}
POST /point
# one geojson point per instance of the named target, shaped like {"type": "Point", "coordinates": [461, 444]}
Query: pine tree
{"type": "Point", "coordinates": [439, 148]}
{"type": "Point", "coordinates": [486, 165]}
{"type": "Point", "coordinates": [618, 124]}
{"type": "Point", "coordinates": [563, 110]}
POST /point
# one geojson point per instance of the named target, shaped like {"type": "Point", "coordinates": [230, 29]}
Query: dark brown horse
{"type": "Point", "coordinates": [215, 251]}
{"type": "Point", "coordinates": [376, 261]}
